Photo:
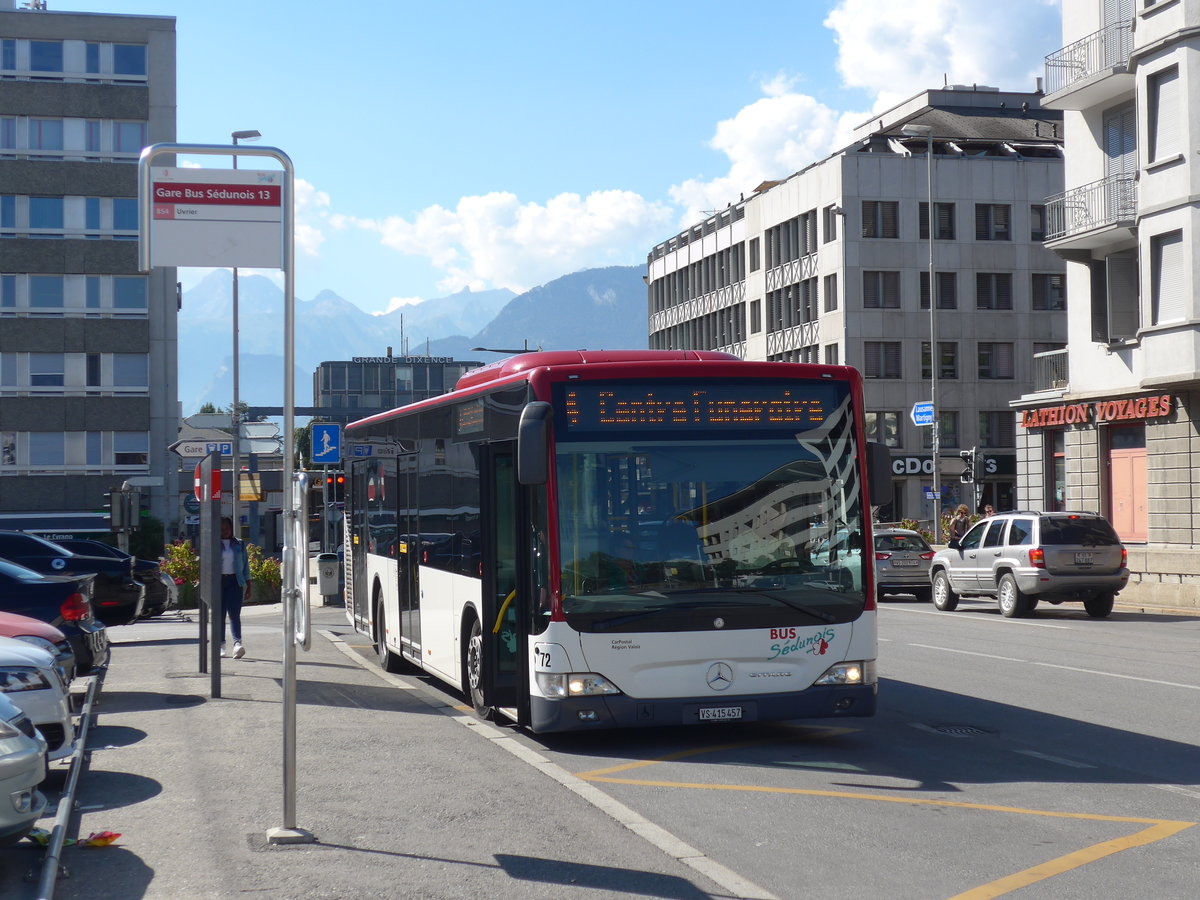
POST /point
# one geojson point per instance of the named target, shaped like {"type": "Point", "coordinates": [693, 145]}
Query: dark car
{"type": "Point", "coordinates": [116, 599]}
{"type": "Point", "coordinates": [64, 601]}
{"type": "Point", "coordinates": [146, 571]}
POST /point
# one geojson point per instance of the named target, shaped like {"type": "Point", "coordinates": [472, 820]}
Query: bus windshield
{"type": "Point", "coordinates": [685, 528]}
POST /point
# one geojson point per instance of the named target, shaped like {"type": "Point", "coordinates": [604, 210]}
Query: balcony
{"type": "Point", "coordinates": [1051, 371]}
{"type": "Point", "coordinates": [1091, 71]}
{"type": "Point", "coordinates": [1086, 217]}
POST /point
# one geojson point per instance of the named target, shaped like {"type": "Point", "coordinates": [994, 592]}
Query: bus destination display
{"type": "Point", "coordinates": [604, 406]}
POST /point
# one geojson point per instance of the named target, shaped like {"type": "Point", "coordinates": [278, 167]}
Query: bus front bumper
{"type": "Point", "coordinates": [620, 711]}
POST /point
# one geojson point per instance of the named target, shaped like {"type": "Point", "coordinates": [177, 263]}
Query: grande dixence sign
{"type": "Point", "coordinates": [1097, 411]}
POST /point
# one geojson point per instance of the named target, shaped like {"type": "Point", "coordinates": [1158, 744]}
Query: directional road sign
{"type": "Point", "coordinates": [326, 444]}
{"type": "Point", "coordinates": [922, 413]}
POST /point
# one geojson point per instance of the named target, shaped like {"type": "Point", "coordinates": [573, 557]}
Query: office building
{"type": "Point", "coordinates": [346, 390]}
{"type": "Point", "coordinates": [832, 265]}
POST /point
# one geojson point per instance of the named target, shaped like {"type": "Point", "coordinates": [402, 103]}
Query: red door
{"type": "Point", "coordinates": [1127, 488]}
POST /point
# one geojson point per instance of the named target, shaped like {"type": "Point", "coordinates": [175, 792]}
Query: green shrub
{"type": "Point", "coordinates": [181, 563]}
{"type": "Point", "coordinates": [265, 575]}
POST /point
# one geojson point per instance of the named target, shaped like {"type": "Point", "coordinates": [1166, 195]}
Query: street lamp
{"type": "Point", "coordinates": [236, 462]}
{"type": "Point", "coordinates": [914, 131]}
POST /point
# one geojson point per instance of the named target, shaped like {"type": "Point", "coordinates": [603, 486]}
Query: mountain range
{"type": "Point", "coordinates": [594, 308]}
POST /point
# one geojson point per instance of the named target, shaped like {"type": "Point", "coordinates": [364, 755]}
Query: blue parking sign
{"type": "Point", "coordinates": [326, 444]}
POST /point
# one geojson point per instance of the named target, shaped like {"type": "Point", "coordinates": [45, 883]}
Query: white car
{"type": "Point", "coordinates": [30, 678]}
{"type": "Point", "coordinates": [22, 767]}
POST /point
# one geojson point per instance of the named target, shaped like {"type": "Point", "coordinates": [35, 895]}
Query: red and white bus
{"type": "Point", "coordinates": [622, 538]}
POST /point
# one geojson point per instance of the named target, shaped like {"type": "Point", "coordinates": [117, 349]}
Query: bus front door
{"type": "Point", "coordinates": [503, 672]}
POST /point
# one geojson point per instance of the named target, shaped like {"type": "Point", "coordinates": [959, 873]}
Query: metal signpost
{"type": "Point", "coordinates": [231, 218]}
{"type": "Point", "coordinates": [212, 614]}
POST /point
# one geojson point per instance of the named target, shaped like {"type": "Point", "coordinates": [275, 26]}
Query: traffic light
{"type": "Point", "coordinates": [115, 510]}
{"type": "Point", "coordinates": [335, 487]}
{"type": "Point", "coordinates": [968, 473]}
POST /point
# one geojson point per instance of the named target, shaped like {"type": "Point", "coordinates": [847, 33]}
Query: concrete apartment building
{"type": "Point", "coordinates": [832, 265]}
{"type": "Point", "coordinates": [87, 344]}
{"type": "Point", "coordinates": [1112, 426]}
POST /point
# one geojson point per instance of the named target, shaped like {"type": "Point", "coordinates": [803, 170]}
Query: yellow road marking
{"type": "Point", "coordinates": [1159, 828]}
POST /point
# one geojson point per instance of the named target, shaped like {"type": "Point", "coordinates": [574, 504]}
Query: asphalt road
{"type": "Point", "coordinates": [1054, 756]}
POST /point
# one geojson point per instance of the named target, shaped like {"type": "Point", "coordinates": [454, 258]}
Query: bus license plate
{"type": "Point", "coordinates": [720, 713]}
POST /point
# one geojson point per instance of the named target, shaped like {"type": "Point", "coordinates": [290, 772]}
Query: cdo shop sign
{"type": "Point", "coordinates": [923, 465]}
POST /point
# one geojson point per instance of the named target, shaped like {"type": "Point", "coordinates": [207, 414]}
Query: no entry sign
{"type": "Point", "coordinates": [198, 484]}
{"type": "Point", "coordinates": [216, 217]}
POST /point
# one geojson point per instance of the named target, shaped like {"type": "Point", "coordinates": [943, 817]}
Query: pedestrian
{"type": "Point", "coordinates": [235, 585]}
{"type": "Point", "coordinates": [988, 511]}
{"type": "Point", "coordinates": [959, 523]}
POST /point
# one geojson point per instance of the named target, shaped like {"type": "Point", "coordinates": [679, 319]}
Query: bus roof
{"type": "Point", "coordinates": [514, 364]}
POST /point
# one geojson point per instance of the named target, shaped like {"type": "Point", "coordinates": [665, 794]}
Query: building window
{"type": "Point", "coordinates": [754, 261]}
{"type": "Point", "coordinates": [831, 354]}
{"type": "Point", "coordinates": [881, 359]}
{"type": "Point", "coordinates": [131, 448]}
{"type": "Point", "coordinates": [91, 59]}
{"type": "Point", "coordinates": [947, 287]}
{"type": "Point", "coordinates": [8, 55]}
{"type": "Point", "coordinates": [945, 221]}
{"type": "Point", "coordinates": [1115, 310]}
{"type": "Point", "coordinates": [829, 217]}
{"type": "Point", "coordinates": [755, 316]}
{"type": "Point", "coordinates": [46, 369]}
{"type": "Point", "coordinates": [883, 428]}
{"type": "Point", "coordinates": [1037, 222]}
{"type": "Point", "coordinates": [46, 213]}
{"type": "Point", "coordinates": [1049, 291]}
{"type": "Point", "coordinates": [8, 291]}
{"type": "Point", "coordinates": [992, 222]}
{"type": "Point", "coordinates": [47, 448]}
{"type": "Point", "coordinates": [947, 432]}
{"type": "Point", "coordinates": [8, 133]}
{"type": "Point", "coordinates": [46, 291]}
{"type": "Point", "coordinates": [993, 290]}
{"type": "Point", "coordinates": [129, 59]}
{"type": "Point", "coordinates": [947, 360]}
{"type": "Point", "coordinates": [130, 292]}
{"type": "Point", "coordinates": [881, 290]}
{"type": "Point", "coordinates": [995, 360]}
{"type": "Point", "coordinates": [125, 217]}
{"type": "Point", "coordinates": [881, 218]}
{"type": "Point", "coordinates": [45, 134]}
{"type": "Point", "coordinates": [997, 428]}
{"type": "Point", "coordinates": [131, 370]}
{"type": "Point", "coordinates": [129, 137]}
{"type": "Point", "coordinates": [93, 377]}
{"type": "Point", "coordinates": [1055, 469]}
{"type": "Point", "coordinates": [1168, 282]}
{"type": "Point", "coordinates": [1165, 114]}
{"type": "Point", "coordinates": [45, 56]}
{"type": "Point", "coordinates": [831, 293]}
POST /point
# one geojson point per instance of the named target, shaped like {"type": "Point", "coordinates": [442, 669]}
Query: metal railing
{"type": "Point", "coordinates": [1108, 48]}
{"type": "Point", "coordinates": [1109, 201]}
{"type": "Point", "coordinates": [1051, 371]}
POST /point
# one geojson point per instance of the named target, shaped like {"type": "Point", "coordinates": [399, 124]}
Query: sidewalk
{"type": "Point", "coordinates": [404, 800]}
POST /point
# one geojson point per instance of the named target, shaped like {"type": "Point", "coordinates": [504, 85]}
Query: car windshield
{"type": "Point", "coordinates": [1084, 532]}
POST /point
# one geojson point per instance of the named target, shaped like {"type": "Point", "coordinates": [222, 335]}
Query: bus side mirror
{"type": "Point", "coordinates": [533, 443]}
{"type": "Point", "coordinates": [879, 473]}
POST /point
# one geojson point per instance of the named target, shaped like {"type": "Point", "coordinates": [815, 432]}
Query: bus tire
{"type": "Point", "coordinates": [944, 597]}
{"type": "Point", "coordinates": [388, 661]}
{"type": "Point", "coordinates": [474, 673]}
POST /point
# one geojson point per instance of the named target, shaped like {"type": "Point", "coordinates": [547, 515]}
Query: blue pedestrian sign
{"type": "Point", "coordinates": [326, 444]}
{"type": "Point", "coordinates": [922, 413]}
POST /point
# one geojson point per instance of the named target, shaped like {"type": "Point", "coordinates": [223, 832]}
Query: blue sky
{"type": "Point", "coordinates": [439, 146]}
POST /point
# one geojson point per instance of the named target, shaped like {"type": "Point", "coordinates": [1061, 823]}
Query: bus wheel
{"type": "Point", "coordinates": [475, 672]}
{"type": "Point", "coordinates": [388, 661]}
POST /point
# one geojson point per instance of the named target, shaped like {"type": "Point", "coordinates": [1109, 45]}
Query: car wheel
{"type": "Point", "coordinates": [388, 661]}
{"type": "Point", "coordinates": [923, 595]}
{"type": "Point", "coordinates": [944, 597]}
{"type": "Point", "coordinates": [475, 672]}
{"type": "Point", "coordinates": [1099, 606]}
{"type": "Point", "coordinates": [1013, 601]}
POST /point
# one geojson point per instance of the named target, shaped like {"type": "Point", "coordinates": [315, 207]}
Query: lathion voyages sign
{"type": "Point", "coordinates": [1097, 411]}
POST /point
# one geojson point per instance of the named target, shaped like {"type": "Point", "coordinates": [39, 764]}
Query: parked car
{"type": "Point", "coordinates": [22, 768]}
{"type": "Point", "coordinates": [902, 563]}
{"type": "Point", "coordinates": [63, 601]}
{"type": "Point", "coordinates": [29, 676]}
{"type": "Point", "coordinates": [1023, 557]}
{"type": "Point", "coordinates": [117, 598]}
{"type": "Point", "coordinates": [43, 635]}
{"type": "Point", "coordinates": [160, 587]}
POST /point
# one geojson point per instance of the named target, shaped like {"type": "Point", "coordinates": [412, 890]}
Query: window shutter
{"type": "Point", "coordinates": [891, 218]}
{"type": "Point", "coordinates": [945, 221]}
{"type": "Point", "coordinates": [1164, 114]}
{"type": "Point", "coordinates": [891, 351]}
{"type": "Point", "coordinates": [1003, 360]}
{"type": "Point", "coordinates": [1004, 291]}
{"type": "Point", "coordinates": [870, 290]}
{"type": "Point", "coordinates": [1168, 291]}
{"type": "Point", "coordinates": [891, 290]}
{"type": "Point", "coordinates": [947, 290]}
{"type": "Point", "coordinates": [1122, 295]}
{"type": "Point", "coordinates": [923, 220]}
{"type": "Point", "coordinates": [982, 222]}
{"type": "Point", "coordinates": [869, 213]}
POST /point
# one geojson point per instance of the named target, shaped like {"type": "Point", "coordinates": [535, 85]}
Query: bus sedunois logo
{"type": "Point", "coordinates": [720, 676]}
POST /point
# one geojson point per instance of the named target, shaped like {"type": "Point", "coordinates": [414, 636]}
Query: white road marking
{"type": "Point", "coordinates": [1178, 789]}
{"type": "Point", "coordinates": [991, 620]}
{"type": "Point", "coordinates": [1190, 687]}
{"type": "Point", "coordinates": [968, 652]}
{"type": "Point", "coordinates": [730, 881]}
{"type": "Point", "coordinates": [1056, 759]}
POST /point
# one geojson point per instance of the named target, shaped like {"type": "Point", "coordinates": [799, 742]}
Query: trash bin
{"type": "Point", "coordinates": [328, 570]}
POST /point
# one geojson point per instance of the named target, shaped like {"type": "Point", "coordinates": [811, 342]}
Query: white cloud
{"type": "Point", "coordinates": [399, 303]}
{"type": "Point", "coordinates": [312, 217]}
{"type": "Point", "coordinates": [495, 240]}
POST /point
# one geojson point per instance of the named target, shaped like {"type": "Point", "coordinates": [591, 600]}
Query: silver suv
{"type": "Point", "coordinates": [1023, 557]}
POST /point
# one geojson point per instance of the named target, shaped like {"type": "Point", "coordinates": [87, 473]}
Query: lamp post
{"type": "Point", "coordinates": [236, 461]}
{"type": "Point", "coordinates": [927, 131]}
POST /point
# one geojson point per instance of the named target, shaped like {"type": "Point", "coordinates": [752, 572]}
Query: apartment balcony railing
{"type": "Point", "coordinates": [1051, 371]}
{"type": "Point", "coordinates": [1109, 201]}
{"type": "Point", "coordinates": [1107, 49]}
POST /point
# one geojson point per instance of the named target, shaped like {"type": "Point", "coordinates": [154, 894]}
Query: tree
{"type": "Point", "coordinates": [209, 408]}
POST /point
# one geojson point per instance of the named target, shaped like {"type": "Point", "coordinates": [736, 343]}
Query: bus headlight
{"type": "Point", "coordinates": [575, 684]}
{"type": "Point", "coordinates": [853, 672]}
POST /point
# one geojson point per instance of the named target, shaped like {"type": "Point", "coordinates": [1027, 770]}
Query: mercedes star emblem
{"type": "Point", "coordinates": [720, 676]}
